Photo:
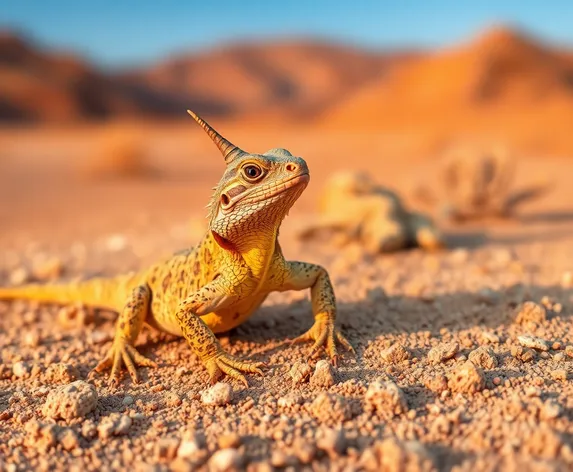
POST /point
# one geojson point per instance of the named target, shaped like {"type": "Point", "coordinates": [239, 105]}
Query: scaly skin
{"type": "Point", "coordinates": [218, 284]}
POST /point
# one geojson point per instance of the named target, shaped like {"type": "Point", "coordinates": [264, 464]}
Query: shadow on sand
{"type": "Point", "coordinates": [379, 314]}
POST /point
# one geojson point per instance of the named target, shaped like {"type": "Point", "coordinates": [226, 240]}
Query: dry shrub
{"type": "Point", "coordinates": [479, 184]}
{"type": "Point", "coordinates": [120, 153]}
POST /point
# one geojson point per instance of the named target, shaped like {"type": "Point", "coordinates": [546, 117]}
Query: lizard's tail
{"type": "Point", "coordinates": [98, 292]}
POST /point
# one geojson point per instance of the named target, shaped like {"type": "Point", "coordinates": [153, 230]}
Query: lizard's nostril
{"type": "Point", "coordinates": [291, 167]}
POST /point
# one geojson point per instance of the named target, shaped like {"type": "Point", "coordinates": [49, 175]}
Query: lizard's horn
{"type": "Point", "coordinates": [228, 149]}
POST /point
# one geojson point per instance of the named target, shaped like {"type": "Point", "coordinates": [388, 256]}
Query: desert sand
{"type": "Point", "coordinates": [408, 401]}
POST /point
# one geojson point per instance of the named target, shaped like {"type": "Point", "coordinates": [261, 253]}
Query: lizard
{"type": "Point", "coordinates": [217, 284]}
{"type": "Point", "coordinates": [354, 207]}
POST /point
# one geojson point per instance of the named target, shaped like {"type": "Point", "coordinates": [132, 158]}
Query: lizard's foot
{"type": "Point", "coordinates": [124, 353]}
{"type": "Point", "coordinates": [324, 334]}
{"type": "Point", "coordinates": [224, 363]}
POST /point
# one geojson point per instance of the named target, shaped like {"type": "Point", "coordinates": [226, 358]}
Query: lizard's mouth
{"type": "Point", "coordinates": [265, 192]}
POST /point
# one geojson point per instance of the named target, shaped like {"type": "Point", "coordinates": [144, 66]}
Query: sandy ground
{"type": "Point", "coordinates": [417, 406]}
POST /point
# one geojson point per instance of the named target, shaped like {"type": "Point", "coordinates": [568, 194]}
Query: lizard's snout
{"type": "Point", "coordinates": [298, 167]}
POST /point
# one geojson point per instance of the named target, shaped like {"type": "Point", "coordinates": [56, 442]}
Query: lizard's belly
{"type": "Point", "coordinates": [218, 321]}
{"type": "Point", "coordinates": [231, 317]}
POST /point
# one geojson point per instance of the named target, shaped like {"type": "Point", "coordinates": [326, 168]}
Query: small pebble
{"type": "Point", "coordinates": [290, 400]}
{"type": "Point", "coordinates": [225, 460]}
{"type": "Point", "coordinates": [123, 425]}
{"type": "Point", "coordinates": [386, 398]}
{"type": "Point", "coordinates": [299, 372]}
{"type": "Point", "coordinates": [530, 312]}
{"type": "Point", "coordinates": [279, 459]}
{"type": "Point", "coordinates": [127, 400]}
{"type": "Point", "coordinates": [490, 337]}
{"type": "Point", "coordinates": [467, 378]}
{"type": "Point", "coordinates": [21, 369]}
{"type": "Point", "coordinates": [522, 353]}
{"type": "Point", "coordinates": [533, 343]}
{"type": "Point", "coordinates": [332, 441]}
{"type": "Point", "coordinates": [32, 338]}
{"type": "Point", "coordinates": [229, 440]}
{"type": "Point", "coordinates": [219, 394]}
{"type": "Point", "coordinates": [99, 337]}
{"type": "Point", "coordinates": [483, 357]}
{"type": "Point", "coordinates": [323, 375]}
{"type": "Point", "coordinates": [166, 448]}
{"type": "Point", "coordinates": [443, 352]}
{"type": "Point", "coordinates": [74, 400]}
{"type": "Point", "coordinates": [48, 269]}
{"type": "Point", "coordinates": [559, 374]}
{"type": "Point", "coordinates": [395, 354]}
{"type": "Point", "coordinates": [551, 410]}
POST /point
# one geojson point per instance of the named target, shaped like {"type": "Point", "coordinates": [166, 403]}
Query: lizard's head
{"type": "Point", "coordinates": [256, 191]}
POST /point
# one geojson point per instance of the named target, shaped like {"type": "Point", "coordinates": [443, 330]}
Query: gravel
{"type": "Point", "coordinates": [448, 376]}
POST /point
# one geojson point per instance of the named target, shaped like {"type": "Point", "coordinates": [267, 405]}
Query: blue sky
{"type": "Point", "coordinates": [127, 32]}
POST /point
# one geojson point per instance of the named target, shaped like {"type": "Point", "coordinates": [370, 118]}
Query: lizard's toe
{"type": "Point", "coordinates": [122, 354]}
{"type": "Point", "coordinates": [334, 361]}
{"type": "Point", "coordinates": [115, 375]}
{"type": "Point", "coordinates": [128, 361]}
{"type": "Point", "coordinates": [215, 373]}
{"type": "Point", "coordinates": [234, 373]}
{"type": "Point", "coordinates": [139, 359]}
{"type": "Point", "coordinates": [104, 364]}
{"type": "Point", "coordinates": [345, 343]}
{"type": "Point", "coordinates": [324, 335]}
{"type": "Point", "coordinates": [301, 339]}
{"type": "Point", "coordinates": [227, 364]}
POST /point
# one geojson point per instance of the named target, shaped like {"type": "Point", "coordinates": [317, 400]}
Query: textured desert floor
{"type": "Point", "coordinates": [408, 401]}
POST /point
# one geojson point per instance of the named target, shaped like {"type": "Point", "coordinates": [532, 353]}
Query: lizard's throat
{"type": "Point", "coordinates": [256, 247]}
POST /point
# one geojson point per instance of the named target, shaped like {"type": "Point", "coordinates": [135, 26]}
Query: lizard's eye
{"type": "Point", "coordinates": [252, 172]}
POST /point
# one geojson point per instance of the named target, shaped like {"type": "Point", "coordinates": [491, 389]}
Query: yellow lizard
{"type": "Point", "coordinates": [219, 283]}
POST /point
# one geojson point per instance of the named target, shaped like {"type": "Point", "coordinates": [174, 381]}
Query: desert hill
{"type": "Point", "coordinates": [45, 86]}
{"type": "Point", "coordinates": [502, 84]}
{"type": "Point", "coordinates": [290, 78]}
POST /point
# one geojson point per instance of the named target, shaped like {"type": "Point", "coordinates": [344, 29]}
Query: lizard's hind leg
{"type": "Point", "coordinates": [129, 325]}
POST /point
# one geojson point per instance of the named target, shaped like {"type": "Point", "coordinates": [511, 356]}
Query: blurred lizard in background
{"type": "Point", "coordinates": [216, 285]}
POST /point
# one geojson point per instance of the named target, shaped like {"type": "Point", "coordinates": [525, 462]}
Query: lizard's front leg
{"type": "Point", "coordinates": [302, 275]}
{"type": "Point", "coordinates": [129, 326]}
{"type": "Point", "coordinates": [202, 340]}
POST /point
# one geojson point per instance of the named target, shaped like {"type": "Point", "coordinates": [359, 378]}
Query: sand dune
{"type": "Point", "coordinates": [501, 85]}
{"type": "Point", "coordinates": [293, 78]}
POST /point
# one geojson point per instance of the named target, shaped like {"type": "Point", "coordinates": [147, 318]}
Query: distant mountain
{"type": "Point", "coordinates": [295, 79]}
{"type": "Point", "coordinates": [501, 83]}
{"type": "Point", "coordinates": [41, 86]}
{"type": "Point", "coordinates": [292, 79]}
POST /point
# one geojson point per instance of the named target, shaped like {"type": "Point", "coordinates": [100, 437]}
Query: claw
{"type": "Point", "coordinates": [345, 343]}
{"type": "Point", "coordinates": [300, 339]}
{"type": "Point", "coordinates": [325, 336]}
{"type": "Point", "coordinates": [226, 364]}
{"type": "Point", "coordinates": [234, 373]}
{"type": "Point", "coordinates": [122, 354]}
